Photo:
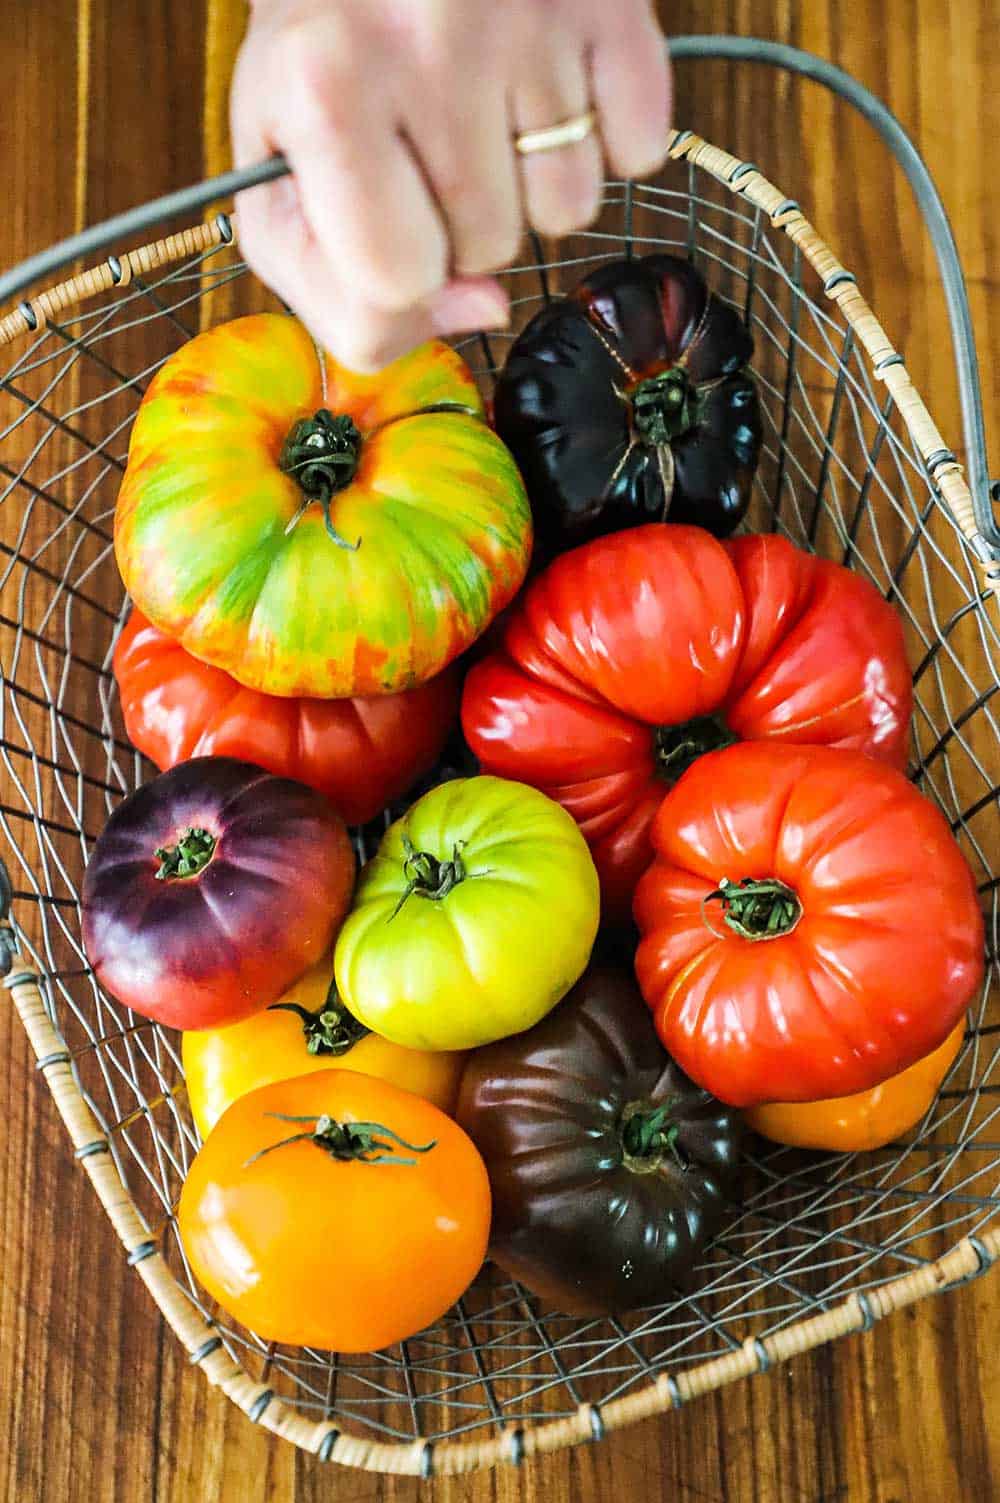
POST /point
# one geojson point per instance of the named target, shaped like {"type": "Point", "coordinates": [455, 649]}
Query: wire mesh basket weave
{"type": "Point", "coordinates": [852, 467]}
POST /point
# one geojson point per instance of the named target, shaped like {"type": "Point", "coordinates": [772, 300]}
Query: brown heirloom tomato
{"type": "Point", "coordinates": [629, 401]}
{"type": "Point", "coordinates": [609, 1168]}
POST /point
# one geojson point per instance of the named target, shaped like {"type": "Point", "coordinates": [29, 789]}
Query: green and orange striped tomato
{"type": "Point", "coordinates": [313, 531]}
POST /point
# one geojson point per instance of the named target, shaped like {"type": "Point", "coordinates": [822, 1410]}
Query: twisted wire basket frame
{"type": "Point", "coordinates": [942, 515]}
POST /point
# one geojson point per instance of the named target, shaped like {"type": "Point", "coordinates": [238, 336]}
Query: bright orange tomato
{"type": "Point", "coordinates": [306, 1030]}
{"type": "Point", "coordinates": [868, 1120]}
{"type": "Point", "coordinates": [335, 1211]}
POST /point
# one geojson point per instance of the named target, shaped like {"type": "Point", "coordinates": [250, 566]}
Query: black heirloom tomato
{"type": "Point", "coordinates": [609, 1167]}
{"type": "Point", "coordinates": [628, 401]}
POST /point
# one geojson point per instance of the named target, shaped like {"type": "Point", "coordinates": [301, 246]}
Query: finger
{"type": "Point", "coordinates": [278, 245]}
{"type": "Point", "coordinates": [363, 195]}
{"type": "Point", "coordinates": [369, 338]}
{"type": "Point", "coordinates": [468, 156]}
{"type": "Point", "coordinates": [562, 187]}
{"type": "Point", "coordinates": [632, 91]}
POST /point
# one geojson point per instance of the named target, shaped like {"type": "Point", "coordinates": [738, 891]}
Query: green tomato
{"type": "Point", "coordinates": [475, 917]}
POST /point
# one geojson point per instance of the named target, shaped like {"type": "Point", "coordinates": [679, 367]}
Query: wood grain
{"type": "Point", "coordinates": [109, 104]}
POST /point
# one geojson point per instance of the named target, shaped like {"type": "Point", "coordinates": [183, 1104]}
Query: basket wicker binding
{"type": "Point", "coordinates": [823, 1245]}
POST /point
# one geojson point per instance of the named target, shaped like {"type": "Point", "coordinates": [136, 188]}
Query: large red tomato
{"type": "Point", "coordinates": [810, 925]}
{"type": "Point", "coordinates": [362, 753]}
{"type": "Point", "coordinates": [629, 657]}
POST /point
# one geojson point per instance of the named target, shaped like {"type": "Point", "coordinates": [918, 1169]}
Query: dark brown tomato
{"type": "Point", "coordinates": [609, 1168]}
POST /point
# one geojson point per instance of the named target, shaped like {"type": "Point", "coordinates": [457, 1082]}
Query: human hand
{"type": "Point", "coordinates": [398, 119]}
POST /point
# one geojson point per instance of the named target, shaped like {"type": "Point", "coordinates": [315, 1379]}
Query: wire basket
{"type": "Point", "coordinates": [852, 467]}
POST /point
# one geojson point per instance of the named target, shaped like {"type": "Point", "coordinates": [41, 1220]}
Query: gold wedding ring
{"type": "Point", "coordinates": [553, 137]}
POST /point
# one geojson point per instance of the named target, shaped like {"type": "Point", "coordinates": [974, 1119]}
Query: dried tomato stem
{"type": "Point", "coordinates": [321, 454]}
{"type": "Point", "coordinates": [348, 1142]}
{"type": "Point", "coordinates": [678, 746]}
{"type": "Point", "coordinates": [756, 908]}
{"type": "Point", "coordinates": [648, 1134]}
{"type": "Point", "coordinates": [664, 406]}
{"type": "Point", "coordinates": [331, 1029]}
{"type": "Point", "coordinates": [192, 853]}
{"type": "Point", "coordinates": [427, 876]}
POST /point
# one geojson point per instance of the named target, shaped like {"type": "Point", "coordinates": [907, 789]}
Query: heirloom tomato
{"type": "Point", "coordinates": [307, 1030]}
{"type": "Point", "coordinates": [335, 1211]}
{"type": "Point", "coordinates": [362, 753]}
{"type": "Point", "coordinates": [810, 926]}
{"type": "Point", "coordinates": [609, 1168]}
{"type": "Point", "coordinates": [475, 916]}
{"type": "Point", "coordinates": [869, 1119]}
{"type": "Point", "coordinates": [312, 531]}
{"type": "Point", "coordinates": [211, 889]}
{"type": "Point", "coordinates": [629, 401]}
{"type": "Point", "coordinates": [629, 657]}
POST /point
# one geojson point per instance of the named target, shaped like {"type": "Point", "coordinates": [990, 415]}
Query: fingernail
{"type": "Point", "coordinates": [460, 306]}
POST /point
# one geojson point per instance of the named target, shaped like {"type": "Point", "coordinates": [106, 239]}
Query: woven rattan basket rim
{"type": "Point", "coordinates": [966, 1260]}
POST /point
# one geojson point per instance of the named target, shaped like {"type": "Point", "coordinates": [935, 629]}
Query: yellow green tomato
{"type": "Point", "coordinates": [475, 917]}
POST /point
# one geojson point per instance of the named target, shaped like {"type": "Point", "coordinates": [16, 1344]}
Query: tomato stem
{"type": "Point", "coordinates": [348, 1142]}
{"type": "Point", "coordinates": [321, 454]}
{"type": "Point", "coordinates": [648, 1134]}
{"type": "Point", "coordinates": [331, 1029]}
{"type": "Point", "coordinates": [678, 746]}
{"type": "Point", "coordinates": [755, 908]}
{"type": "Point", "coordinates": [192, 853]}
{"type": "Point", "coordinates": [427, 876]}
{"type": "Point", "coordinates": [664, 407]}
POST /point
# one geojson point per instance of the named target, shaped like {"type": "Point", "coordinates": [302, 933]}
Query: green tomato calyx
{"type": "Point", "coordinates": [321, 455]}
{"type": "Point", "coordinates": [348, 1142]}
{"type": "Point", "coordinates": [648, 1136]}
{"type": "Point", "coordinates": [331, 1029]}
{"type": "Point", "coordinates": [192, 853]}
{"type": "Point", "coordinates": [664, 407]}
{"type": "Point", "coordinates": [756, 908]}
{"type": "Point", "coordinates": [676, 747]}
{"type": "Point", "coordinates": [427, 876]}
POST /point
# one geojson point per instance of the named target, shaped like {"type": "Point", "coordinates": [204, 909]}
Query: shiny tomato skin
{"type": "Point", "coordinates": [363, 754]}
{"type": "Point", "coordinates": [500, 948]}
{"type": "Point", "coordinates": [643, 631]}
{"type": "Point", "coordinates": [221, 548]}
{"type": "Point", "coordinates": [577, 1218]}
{"type": "Point", "coordinates": [343, 1256]}
{"type": "Point", "coordinates": [206, 950]}
{"type": "Point", "coordinates": [882, 963]}
{"type": "Point", "coordinates": [223, 1064]}
{"type": "Point", "coordinates": [869, 1119]}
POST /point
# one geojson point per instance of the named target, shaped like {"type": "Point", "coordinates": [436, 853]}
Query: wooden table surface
{"type": "Point", "coordinates": [108, 104]}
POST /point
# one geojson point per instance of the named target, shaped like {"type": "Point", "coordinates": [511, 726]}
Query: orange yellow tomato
{"type": "Point", "coordinates": [868, 1119]}
{"type": "Point", "coordinates": [334, 1210]}
{"type": "Point", "coordinates": [305, 1031]}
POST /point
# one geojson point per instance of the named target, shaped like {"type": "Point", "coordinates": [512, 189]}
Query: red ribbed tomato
{"type": "Point", "coordinates": [629, 657]}
{"type": "Point", "coordinates": [810, 925]}
{"type": "Point", "coordinates": [362, 753]}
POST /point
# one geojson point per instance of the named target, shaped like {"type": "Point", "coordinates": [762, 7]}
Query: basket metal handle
{"type": "Point", "coordinates": [807, 65]}
{"type": "Point", "coordinates": [190, 201]}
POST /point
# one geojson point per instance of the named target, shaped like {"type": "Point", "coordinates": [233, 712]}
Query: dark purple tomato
{"type": "Point", "coordinates": [212, 889]}
{"type": "Point", "coordinates": [629, 401]}
{"type": "Point", "coordinates": [609, 1167]}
